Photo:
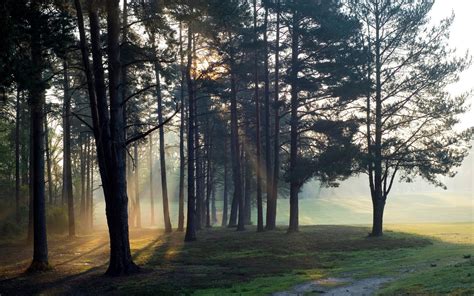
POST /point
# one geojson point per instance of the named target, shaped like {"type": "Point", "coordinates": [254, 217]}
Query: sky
{"type": "Point", "coordinates": [462, 38]}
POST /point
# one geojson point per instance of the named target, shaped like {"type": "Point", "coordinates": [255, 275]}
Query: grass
{"type": "Point", "coordinates": [423, 259]}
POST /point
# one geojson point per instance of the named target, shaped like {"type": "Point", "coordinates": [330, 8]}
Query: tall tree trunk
{"type": "Point", "coordinates": [152, 193]}
{"type": "Point", "coordinates": [213, 200]}
{"type": "Point", "coordinates": [164, 185]}
{"type": "Point", "coordinates": [30, 183]}
{"type": "Point", "coordinates": [86, 217]}
{"type": "Point", "coordinates": [247, 190]}
{"type": "Point", "coordinates": [67, 182]}
{"type": "Point", "coordinates": [83, 160]}
{"type": "Point", "coordinates": [181, 135]}
{"type": "Point", "coordinates": [191, 217]}
{"type": "Point", "coordinates": [37, 101]}
{"type": "Point", "coordinates": [137, 186]}
{"type": "Point", "coordinates": [132, 213]}
{"type": "Point", "coordinates": [24, 145]}
{"type": "Point", "coordinates": [199, 170]}
{"type": "Point", "coordinates": [271, 212]}
{"type": "Point", "coordinates": [116, 203]}
{"type": "Point", "coordinates": [91, 192]}
{"type": "Point", "coordinates": [226, 185]}
{"type": "Point", "coordinates": [257, 127]}
{"type": "Point", "coordinates": [235, 148]}
{"type": "Point", "coordinates": [234, 207]}
{"type": "Point", "coordinates": [268, 184]}
{"type": "Point", "coordinates": [294, 184]}
{"type": "Point", "coordinates": [378, 199]}
{"type": "Point", "coordinates": [208, 143]}
{"type": "Point", "coordinates": [93, 96]}
{"type": "Point", "coordinates": [17, 157]}
{"type": "Point", "coordinates": [48, 159]}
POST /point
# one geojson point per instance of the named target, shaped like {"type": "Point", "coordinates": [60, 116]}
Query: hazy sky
{"type": "Point", "coordinates": [462, 38]}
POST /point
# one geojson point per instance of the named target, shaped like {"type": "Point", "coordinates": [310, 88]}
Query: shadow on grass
{"type": "Point", "coordinates": [223, 258]}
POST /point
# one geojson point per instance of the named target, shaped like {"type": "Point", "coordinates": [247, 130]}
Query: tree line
{"type": "Point", "coordinates": [261, 97]}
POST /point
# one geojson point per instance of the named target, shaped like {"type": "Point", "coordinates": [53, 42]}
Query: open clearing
{"type": "Point", "coordinates": [411, 259]}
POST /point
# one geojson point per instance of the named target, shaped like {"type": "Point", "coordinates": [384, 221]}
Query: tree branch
{"type": "Point", "coordinates": [144, 134]}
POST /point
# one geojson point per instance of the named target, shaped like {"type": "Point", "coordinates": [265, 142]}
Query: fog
{"type": "Point", "coordinates": [349, 203]}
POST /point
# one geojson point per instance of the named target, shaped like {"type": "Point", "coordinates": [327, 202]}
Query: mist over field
{"type": "Point", "coordinates": [417, 202]}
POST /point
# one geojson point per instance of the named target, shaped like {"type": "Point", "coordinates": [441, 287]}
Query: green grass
{"type": "Point", "coordinates": [422, 259]}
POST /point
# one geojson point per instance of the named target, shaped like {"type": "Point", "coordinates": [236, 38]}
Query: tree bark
{"type": "Point", "coordinates": [294, 184]}
{"type": "Point", "coordinates": [48, 159]}
{"type": "Point", "coordinates": [116, 207]}
{"type": "Point", "coordinates": [377, 222]}
{"type": "Point", "coordinates": [247, 190]}
{"type": "Point", "coordinates": [17, 157]}
{"type": "Point", "coordinates": [208, 178]}
{"type": "Point", "coordinates": [199, 171]}
{"type": "Point", "coordinates": [91, 192]}
{"type": "Point", "coordinates": [67, 183]}
{"type": "Point", "coordinates": [377, 196]}
{"type": "Point", "coordinates": [191, 216]}
{"type": "Point", "coordinates": [235, 149]}
{"type": "Point", "coordinates": [272, 208]}
{"type": "Point", "coordinates": [268, 161]}
{"type": "Point", "coordinates": [181, 135]}
{"type": "Point", "coordinates": [83, 155]}
{"type": "Point", "coordinates": [164, 185]}
{"type": "Point", "coordinates": [225, 189]}
{"type": "Point", "coordinates": [152, 194]}
{"type": "Point", "coordinates": [86, 217]}
{"type": "Point", "coordinates": [29, 238]}
{"type": "Point", "coordinates": [37, 101]}
{"type": "Point", "coordinates": [257, 127]}
{"type": "Point", "coordinates": [137, 186]}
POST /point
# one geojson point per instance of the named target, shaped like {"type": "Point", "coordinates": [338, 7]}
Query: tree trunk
{"type": "Point", "coordinates": [257, 127]}
{"type": "Point", "coordinates": [181, 135]}
{"type": "Point", "coordinates": [377, 196]}
{"type": "Point", "coordinates": [116, 203]}
{"type": "Point", "coordinates": [137, 186]}
{"type": "Point", "coordinates": [48, 159]}
{"type": "Point", "coordinates": [272, 208]}
{"type": "Point", "coordinates": [235, 149]}
{"type": "Point", "coordinates": [225, 189]}
{"type": "Point", "coordinates": [199, 171]}
{"type": "Point", "coordinates": [213, 201]}
{"type": "Point", "coordinates": [98, 128]}
{"type": "Point", "coordinates": [67, 182]}
{"type": "Point", "coordinates": [91, 192]}
{"type": "Point", "coordinates": [208, 183]}
{"type": "Point", "coordinates": [86, 217]}
{"type": "Point", "coordinates": [30, 183]}
{"type": "Point", "coordinates": [247, 190]}
{"type": "Point", "coordinates": [268, 186]}
{"type": "Point", "coordinates": [377, 222]}
{"type": "Point", "coordinates": [191, 217]}
{"type": "Point", "coordinates": [294, 187]}
{"type": "Point", "coordinates": [152, 194]}
{"type": "Point", "coordinates": [17, 157]}
{"type": "Point", "coordinates": [37, 101]}
{"type": "Point", "coordinates": [83, 160]}
{"type": "Point", "coordinates": [164, 185]}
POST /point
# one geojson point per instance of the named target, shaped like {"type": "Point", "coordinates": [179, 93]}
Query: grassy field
{"type": "Point", "coordinates": [421, 259]}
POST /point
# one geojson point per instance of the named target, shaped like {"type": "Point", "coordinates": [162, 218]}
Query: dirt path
{"type": "Point", "coordinates": [337, 287]}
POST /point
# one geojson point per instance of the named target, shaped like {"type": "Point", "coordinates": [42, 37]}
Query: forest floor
{"type": "Point", "coordinates": [410, 259]}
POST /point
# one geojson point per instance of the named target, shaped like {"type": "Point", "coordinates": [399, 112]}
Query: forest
{"type": "Point", "coordinates": [166, 145]}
